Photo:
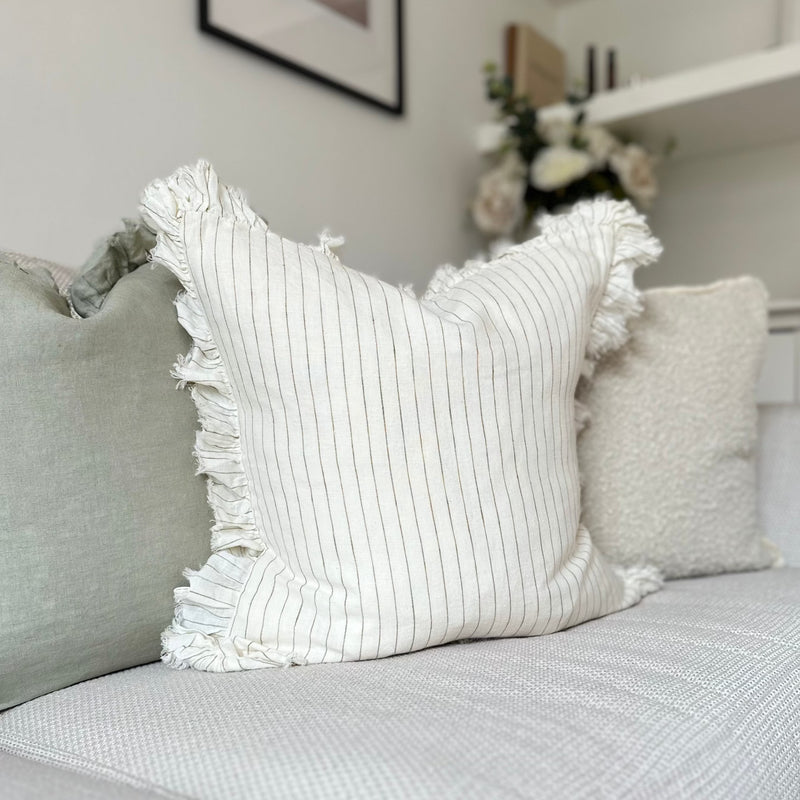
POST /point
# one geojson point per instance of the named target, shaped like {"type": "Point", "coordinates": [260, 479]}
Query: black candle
{"type": "Point", "coordinates": [611, 69]}
{"type": "Point", "coordinates": [590, 70]}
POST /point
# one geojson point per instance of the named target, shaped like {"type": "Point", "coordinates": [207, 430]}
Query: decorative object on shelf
{"type": "Point", "coordinates": [353, 46]}
{"type": "Point", "coordinates": [611, 68]}
{"type": "Point", "coordinates": [536, 66]}
{"type": "Point", "coordinates": [590, 70]}
{"type": "Point", "coordinates": [546, 161]}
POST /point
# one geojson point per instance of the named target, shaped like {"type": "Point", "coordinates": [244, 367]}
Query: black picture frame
{"type": "Point", "coordinates": [393, 105]}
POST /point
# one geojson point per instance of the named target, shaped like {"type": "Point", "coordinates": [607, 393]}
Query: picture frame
{"type": "Point", "coordinates": [352, 46]}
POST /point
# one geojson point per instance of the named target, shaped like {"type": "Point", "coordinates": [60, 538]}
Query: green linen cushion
{"type": "Point", "coordinates": [100, 506]}
{"type": "Point", "coordinates": [59, 274]}
{"type": "Point", "coordinates": [113, 258]}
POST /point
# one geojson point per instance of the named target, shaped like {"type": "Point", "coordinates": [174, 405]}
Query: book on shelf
{"type": "Point", "coordinates": [535, 64]}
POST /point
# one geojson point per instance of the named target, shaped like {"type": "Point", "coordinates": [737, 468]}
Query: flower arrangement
{"type": "Point", "coordinates": [543, 162]}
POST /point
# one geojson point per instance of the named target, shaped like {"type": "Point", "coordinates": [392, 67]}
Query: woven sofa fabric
{"type": "Point", "coordinates": [670, 448]}
{"type": "Point", "coordinates": [388, 473]}
{"type": "Point", "coordinates": [692, 693]}
{"type": "Point", "coordinates": [779, 477]}
{"type": "Point", "coordinates": [100, 507]}
{"type": "Point", "coordinates": [26, 779]}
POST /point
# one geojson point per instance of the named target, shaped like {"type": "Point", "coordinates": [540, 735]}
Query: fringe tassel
{"type": "Point", "coordinates": [633, 246]}
{"type": "Point", "coordinates": [639, 581]}
{"type": "Point", "coordinates": [200, 634]}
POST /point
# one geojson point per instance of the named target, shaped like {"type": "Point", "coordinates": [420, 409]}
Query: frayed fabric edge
{"type": "Point", "coordinates": [638, 582]}
{"type": "Point", "coordinates": [633, 246]}
{"type": "Point", "coordinates": [200, 634]}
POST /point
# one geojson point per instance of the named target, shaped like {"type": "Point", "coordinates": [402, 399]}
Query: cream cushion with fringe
{"type": "Point", "coordinates": [668, 458]}
{"type": "Point", "coordinates": [388, 473]}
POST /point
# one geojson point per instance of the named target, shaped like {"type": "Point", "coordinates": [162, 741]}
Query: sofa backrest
{"type": "Point", "coordinates": [779, 477]}
{"type": "Point", "coordinates": [779, 431]}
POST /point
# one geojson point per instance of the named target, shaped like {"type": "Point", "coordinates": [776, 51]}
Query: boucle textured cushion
{"type": "Point", "coordinates": [668, 458]}
{"type": "Point", "coordinates": [99, 504]}
{"type": "Point", "coordinates": [388, 473]}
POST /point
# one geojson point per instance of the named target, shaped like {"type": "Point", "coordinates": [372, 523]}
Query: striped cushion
{"type": "Point", "coordinates": [62, 276]}
{"type": "Point", "coordinates": [388, 473]}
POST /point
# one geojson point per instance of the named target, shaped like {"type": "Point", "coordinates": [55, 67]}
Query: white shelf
{"type": "Point", "coordinates": [748, 101]}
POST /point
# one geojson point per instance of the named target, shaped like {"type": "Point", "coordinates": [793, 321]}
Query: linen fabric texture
{"type": "Point", "coordinates": [61, 276]}
{"type": "Point", "coordinates": [388, 473]}
{"type": "Point", "coordinates": [99, 504]}
{"type": "Point", "coordinates": [668, 459]}
{"type": "Point", "coordinates": [113, 258]}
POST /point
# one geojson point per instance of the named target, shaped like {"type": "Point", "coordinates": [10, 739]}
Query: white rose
{"type": "Point", "coordinates": [556, 131]}
{"type": "Point", "coordinates": [490, 137]}
{"type": "Point", "coordinates": [498, 206]}
{"type": "Point", "coordinates": [556, 125]}
{"type": "Point", "coordinates": [600, 143]}
{"type": "Point", "coordinates": [634, 167]}
{"type": "Point", "coordinates": [559, 166]}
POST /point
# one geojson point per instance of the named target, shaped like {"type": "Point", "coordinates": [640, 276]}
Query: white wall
{"type": "Point", "coordinates": [101, 96]}
{"type": "Point", "coordinates": [656, 37]}
{"type": "Point", "coordinates": [721, 215]}
{"type": "Point", "coordinates": [731, 215]}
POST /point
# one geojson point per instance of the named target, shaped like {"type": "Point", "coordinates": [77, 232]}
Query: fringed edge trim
{"type": "Point", "coordinates": [633, 246]}
{"type": "Point", "coordinates": [199, 635]}
{"type": "Point", "coordinates": [638, 581]}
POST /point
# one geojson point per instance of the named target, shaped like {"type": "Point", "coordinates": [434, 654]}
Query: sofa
{"type": "Point", "coordinates": [692, 692]}
{"type": "Point", "coordinates": [695, 692]}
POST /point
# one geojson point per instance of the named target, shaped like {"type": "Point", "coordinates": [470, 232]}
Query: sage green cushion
{"type": "Point", "coordinates": [113, 258]}
{"type": "Point", "coordinates": [100, 507]}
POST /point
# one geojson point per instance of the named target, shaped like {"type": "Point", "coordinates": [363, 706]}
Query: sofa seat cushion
{"type": "Point", "coordinates": [26, 779]}
{"type": "Point", "coordinates": [692, 693]}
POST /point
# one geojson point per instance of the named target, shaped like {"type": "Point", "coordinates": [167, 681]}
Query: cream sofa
{"type": "Point", "coordinates": [695, 692]}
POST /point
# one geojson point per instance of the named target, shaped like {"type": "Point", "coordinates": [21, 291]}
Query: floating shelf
{"type": "Point", "coordinates": [749, 101]}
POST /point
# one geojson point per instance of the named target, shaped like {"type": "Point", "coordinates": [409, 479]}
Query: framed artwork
{"type": "Point", "coordinates": [353, 46]}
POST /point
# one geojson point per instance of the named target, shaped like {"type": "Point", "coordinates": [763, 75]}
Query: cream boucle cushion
{"type": "Point", "coordinates": [668, 457]}
{"type": "Point", "coordinates": [388, 473]}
